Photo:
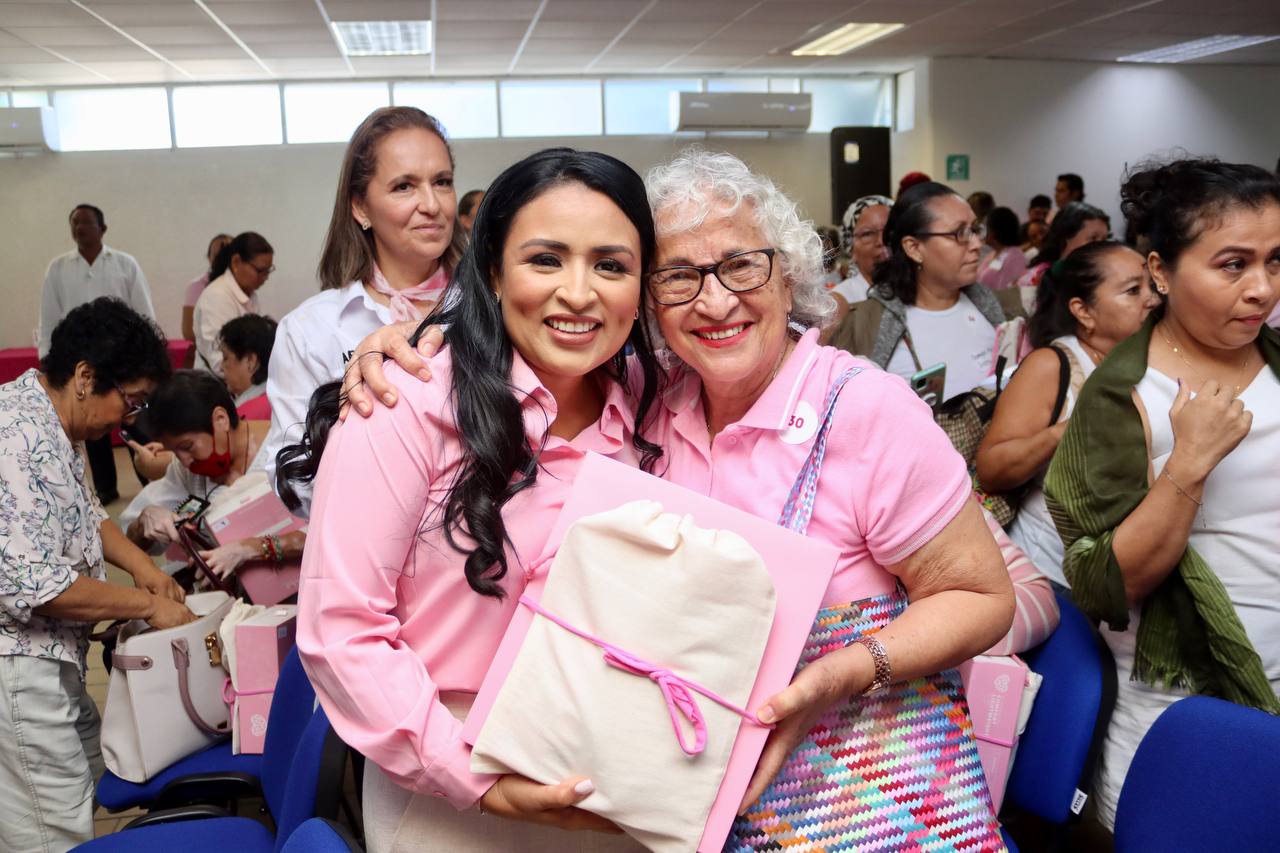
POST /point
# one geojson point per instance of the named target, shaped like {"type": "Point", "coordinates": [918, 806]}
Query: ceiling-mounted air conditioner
{"type": "Point", "coordinates": [28, 130]}
{"type": "Point", "coordinates": [741, 111]}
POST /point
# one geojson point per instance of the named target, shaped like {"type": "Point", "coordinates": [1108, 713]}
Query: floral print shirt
{"type": "Point", "coordinates": [49, 525]}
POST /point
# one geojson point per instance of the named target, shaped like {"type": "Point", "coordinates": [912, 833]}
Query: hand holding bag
{"type": "Point", "coordinates": [896, 770]}
{"type": "Point", "coordinates": [164, 699]}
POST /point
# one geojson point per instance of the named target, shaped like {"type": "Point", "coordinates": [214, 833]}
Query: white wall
{"type": "Point", "coordinates": [163, 206]}
{"type": "Point", "coordinates": [1024, 122]}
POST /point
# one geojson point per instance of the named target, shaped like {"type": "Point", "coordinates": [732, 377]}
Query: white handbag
{"type": "Point", "coordinates": [164, 700]}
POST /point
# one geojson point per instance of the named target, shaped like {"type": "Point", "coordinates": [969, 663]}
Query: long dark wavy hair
{"type": "Point", "coordinates": [497, 461]}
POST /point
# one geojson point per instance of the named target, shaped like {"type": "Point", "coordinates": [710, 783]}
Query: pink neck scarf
{"type": "Point", "coordinates": [402, 301]}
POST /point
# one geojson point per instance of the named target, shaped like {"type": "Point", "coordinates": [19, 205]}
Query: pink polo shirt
{"type": "Point", "coordinates": [386, 620]}
{"type": "Point", "coordinates": [890, 481]}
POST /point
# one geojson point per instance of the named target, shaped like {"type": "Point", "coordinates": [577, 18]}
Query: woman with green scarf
{"type": "Point", "coordinates": [1164, 485]}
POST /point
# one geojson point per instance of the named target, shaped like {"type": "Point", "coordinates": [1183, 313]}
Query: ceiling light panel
{"type": "Point", "coordinates": [384, 38]}
{"type": "Point", "coordinates": [1188, 50]}
{"type": "Point", "coordinates": [846, 38]}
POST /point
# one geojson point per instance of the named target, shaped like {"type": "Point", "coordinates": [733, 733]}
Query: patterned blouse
{"type": "Point", "coordinates": [49, 525]}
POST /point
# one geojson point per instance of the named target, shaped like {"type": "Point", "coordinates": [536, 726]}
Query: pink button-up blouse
{"type": "Point", "coordinates": [386, 619]}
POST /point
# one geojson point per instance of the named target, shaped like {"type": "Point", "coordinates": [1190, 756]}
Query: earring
{"type": "Point", "coordinates": [1163, 291]}
{"type": "Point", "coordinates": [497, 297]}
{"type": "Point", "coordinates": [79, 393]}
{"type": "Point", "coordinates": [364, 226]}
{"type": "Point", "coordinates": [637, 317]}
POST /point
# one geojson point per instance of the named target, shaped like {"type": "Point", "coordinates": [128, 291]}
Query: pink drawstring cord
{"type": "Point", "coordinates": [675, 690]}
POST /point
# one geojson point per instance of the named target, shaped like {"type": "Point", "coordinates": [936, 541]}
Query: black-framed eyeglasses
{"type": "Point", "coordinates": [961, 235]}
{"type": "Point", "coordinates": [132, 405]}
{"type": "Point", "coordinates": [263, 272]}
{"type": "Point", "coordinates": [740, 273]}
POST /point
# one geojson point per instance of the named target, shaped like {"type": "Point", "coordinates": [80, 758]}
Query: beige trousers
{"type": "Point", "coordinates": [397, 820]}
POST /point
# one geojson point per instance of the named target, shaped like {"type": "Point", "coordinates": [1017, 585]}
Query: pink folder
{"type": "Point", "coordinates": [256, 511]}
{"type": "Point", "coordinates": [994, 687]}
{"type": "Point", "coordinates": [801, 569]}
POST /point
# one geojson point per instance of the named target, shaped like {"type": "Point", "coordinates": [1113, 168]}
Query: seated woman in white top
{"type": "Point", "coordinates": [1092, 300]}
{"type": "Point", "coordinates": [1164, 486]}
{"type": "Point", "coordinates": [241, 268]}
{"type": "Point", "coordinates": [926, 306]}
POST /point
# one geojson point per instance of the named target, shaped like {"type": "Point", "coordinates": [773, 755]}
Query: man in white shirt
{"type": "Point", "coordinates": [92, 270]}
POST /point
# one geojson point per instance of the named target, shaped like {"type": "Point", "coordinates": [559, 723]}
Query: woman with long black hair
{"type": "Point", "coordinates": [427, 515]}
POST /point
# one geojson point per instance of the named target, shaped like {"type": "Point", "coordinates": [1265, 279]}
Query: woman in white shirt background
{"type": "Point", "coordinates": [863, 232]}
{"type": "Point", "coordinates": [1091, 301]}
{"type": "Point", "coordinates": [387, 257]}
{"type": "Point", "coordinates": [197, 285]}
{"type": "Point", "coordinates": [241, 268]}
{"type": "Point", "coordinates": [925, 306]}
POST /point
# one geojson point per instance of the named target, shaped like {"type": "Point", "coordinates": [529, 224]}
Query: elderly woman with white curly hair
{"type": "Point", "coordinates": [753, 400]}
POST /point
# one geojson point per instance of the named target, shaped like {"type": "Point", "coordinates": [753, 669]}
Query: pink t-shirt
{"type": "Point", "coordinates": [890, 481]}
{"type": "Point", "coordinates": [194, 289]}
{"type": "Point", "coordinates": [1003, 269]}
{"type": "Point", "coordinates": [386, 619]}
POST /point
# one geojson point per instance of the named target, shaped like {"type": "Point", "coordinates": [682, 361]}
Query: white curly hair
{"type": "Point", "coordinates": [698, 183]}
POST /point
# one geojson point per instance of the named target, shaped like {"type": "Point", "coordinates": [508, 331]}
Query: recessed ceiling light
{"type": "Point", "coordinates": [845, 39]}
{"type": "Point", "coordinates": [1187, 50]}
{"type": "Point", "coordinates": [384, 38]}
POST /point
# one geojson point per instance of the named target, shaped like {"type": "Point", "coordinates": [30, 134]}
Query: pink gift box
{"type": "Point", "coordinates": [249, 514]}
{"type": "Point", "coordinates": [994, 687]}
{"type": "Point", "coordinates": [262, 643]}
{"type": "Point", "coordinates": [801, 568]}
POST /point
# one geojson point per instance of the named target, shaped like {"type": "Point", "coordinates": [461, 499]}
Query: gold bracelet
{"type": "Point", "coordinates": [1183, 491]}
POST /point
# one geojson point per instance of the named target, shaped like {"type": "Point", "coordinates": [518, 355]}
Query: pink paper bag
{"type": "Point", "coordinates": [994, 687]}
{"type": "Point", "coordinates": [800, 567]}
{"type": "Point", "coordinates": [262, 643]}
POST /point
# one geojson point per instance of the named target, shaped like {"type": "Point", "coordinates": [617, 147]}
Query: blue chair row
{"type": "Point", "coordinates": [1058, 753]}
{"type": "Point", "coordinates": [214, 775]}
{"type": "Point", "coordinates": [1205, 778]}
{"type": "Point", "coordinates": [297, 784]}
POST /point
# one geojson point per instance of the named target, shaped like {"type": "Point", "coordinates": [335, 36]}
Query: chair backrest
{"type": "Point", "coordinates": [314, 780]}
{"type": "Point", "coordinates": [291, 706]}
{"type": "Point", "coordinates": [1057, 754]}
{"type": "Point", "coordinates": [320, 835]}
{"type": "Point", "coordinates": [1205, 777]}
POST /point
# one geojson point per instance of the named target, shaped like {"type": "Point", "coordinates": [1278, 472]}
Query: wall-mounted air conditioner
{"type": "Point", "coordinates": [741, 111]}
{"type": "Point", "coordinates": [28, 130]}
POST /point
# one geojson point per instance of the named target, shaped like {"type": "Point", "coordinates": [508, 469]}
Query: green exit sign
{"type": "Point", "coordinates": [957, 167]}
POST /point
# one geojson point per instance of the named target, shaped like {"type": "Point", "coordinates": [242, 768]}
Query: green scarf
{"type": "Point", "coordinates": [1189, 635]}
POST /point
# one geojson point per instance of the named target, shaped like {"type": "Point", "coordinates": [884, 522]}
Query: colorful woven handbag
{"type": "Point", "coordinates": [894, 771]}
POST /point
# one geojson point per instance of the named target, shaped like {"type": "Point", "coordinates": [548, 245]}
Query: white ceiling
{"type": "Point", "coordinates": [73, 42]}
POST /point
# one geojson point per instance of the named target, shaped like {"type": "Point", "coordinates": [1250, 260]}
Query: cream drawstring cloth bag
{"type": "Point", "coordinates": [636, 670]}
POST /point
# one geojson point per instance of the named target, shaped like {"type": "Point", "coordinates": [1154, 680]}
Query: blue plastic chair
{"type": "Point", "coordinates": [214, 774]}
{"type": "Point", "coordinates": [1205, 778]}
{"type": "Point", "coordinates": [297, 785]}
{"type": "Point", "coordinates": [320, 835]}
{"type": "Point", "coordinates": [1057, 754]}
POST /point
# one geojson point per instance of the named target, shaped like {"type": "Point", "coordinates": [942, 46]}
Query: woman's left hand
{"type": "Point", "coordinates": [832, 678]}
{"type": "Point", "coordinates": [158, 583]}
{"type": "Point", "coordinates": [225, 559]}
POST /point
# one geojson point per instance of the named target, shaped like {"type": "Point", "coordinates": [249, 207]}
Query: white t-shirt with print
{"type": "Point", "coordinates": [959, 337]}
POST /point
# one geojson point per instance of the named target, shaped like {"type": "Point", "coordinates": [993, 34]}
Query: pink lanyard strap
{"type": "Point", "coordinates": [675, 690]}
